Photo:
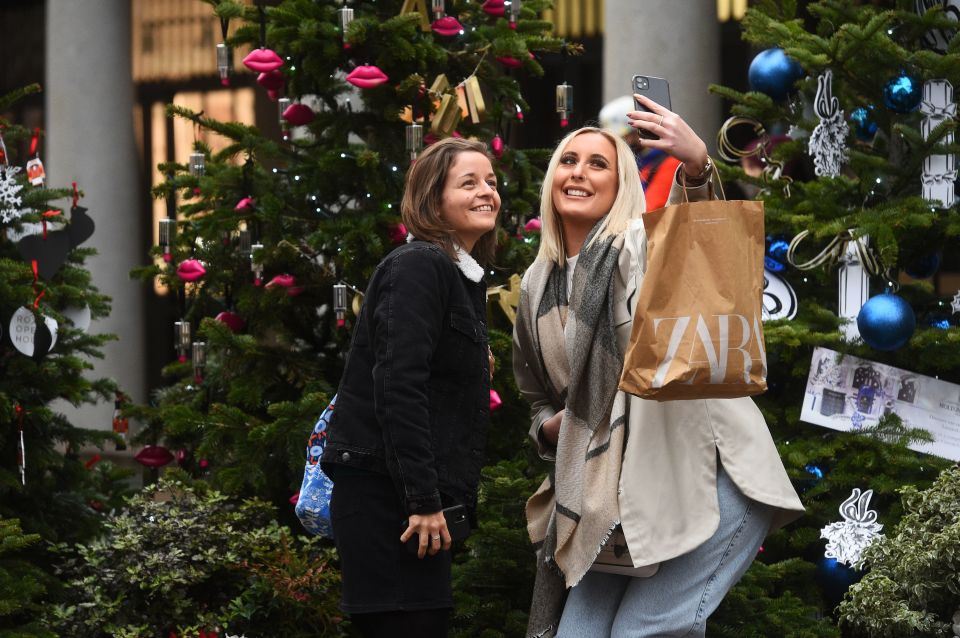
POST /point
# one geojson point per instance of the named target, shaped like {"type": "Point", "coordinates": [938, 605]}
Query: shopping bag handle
{"type": "Point", "coordinates": [710, 181]}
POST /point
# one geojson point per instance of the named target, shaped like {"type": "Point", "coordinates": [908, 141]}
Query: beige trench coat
{"type": "Point", "coordinates": [668, 494]}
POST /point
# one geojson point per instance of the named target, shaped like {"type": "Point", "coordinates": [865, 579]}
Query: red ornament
{"type": "Point", "coordinates": [299, 114]}
{"type": "Point", "coordinates": [190, 270]}
{"type": "Point", "coordinates": [153, 456]}
{"type": "Point", "coordinates": [367, 77]}
{"type": "Point", "coordinates": [494, 8]}
{"type": "Point", "coordinates": [245, 204]}
{"type": "Point", "coordinates": [519, 113]}
{"type": "Point", "coordinates": [533, 226]}
{"type": "Point", "coordinates": [495, 401]}
{"type": "Point", "coordinates": [398, 233]}
{"type": "Point", "coordinates": [272, 82]}
{"type": "Point", "coordinates": [295, 498]}
{"type": "Point", "coordinates": [286, 281]}
{"type": "Point", "coordinates": [93, 460]}
{"type": "Point", "coordinates": [232, 320]}
{"type": "Point", "coordinates": [262, 61]}
{"type": "Point", "coordinates": [447, 26]}
{"type": "Point", "coordinates": [496, 145]}
{"type": "Point", "coordinates": [203, 463]}
{"type": "Point", "coordinates": [509, 62]}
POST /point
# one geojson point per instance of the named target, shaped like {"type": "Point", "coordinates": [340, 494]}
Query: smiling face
{"type": "Point", "coordinates": [470, 201]}
{"type": "Point", "coordinates": [586, 181]}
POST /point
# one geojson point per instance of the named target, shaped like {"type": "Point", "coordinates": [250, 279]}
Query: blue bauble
{"type": "Point", "coordinates": [886, 322]}
{"type": "Point", "coordinates": [863, 125]}
{"type": "Point", "coordinates": [925, 267]}
{"type": "Point", "coordinates": [835, 579]}
{"type": "Point", "coordinates": [773, 72]}
{"type": "Point", "coordinates": [902, 94]}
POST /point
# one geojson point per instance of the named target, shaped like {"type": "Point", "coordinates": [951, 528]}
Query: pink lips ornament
{"type": "Point", "coordinates": [496, 145]}
{"type": "Point", "coordinates": [244, 205]}
{"type": "Point", "coordinates": [153, 456]}
{"type": "Point", "coordinates": [298, 114]}
{"type": "Point", "coordinates": [190, 270]}
{"type": "Point", "coordinates": [495, 400]}
{"type": "Point", "coordinates": [262, 61]}
{"type": "Point", "coordinates": [232, 320]}
{"type": "Point", "coordinates": [533, 226]}
{"type": "Point", "coordinates": [286, 281]}
{"type": "Point", "coordinates": [494, 8]}
{"type": "Point", "coordinates": [447, 26]}
{"type": "Point", "coordinates": [367, 77]}
{"type": "Point", "coordinates": [272, 82]}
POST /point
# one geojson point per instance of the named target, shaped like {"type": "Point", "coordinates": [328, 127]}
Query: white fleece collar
{"type": "Point", "coordinates": [469, 266]}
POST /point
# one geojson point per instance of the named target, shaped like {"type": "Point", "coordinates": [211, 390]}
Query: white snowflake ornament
{"type": "Point", "coordinates": [955, 304]}
{"type": "Point", "coordinates": [828, 142]}
{"type": "Point", "coordinates": [10, 201]}
{"type": "Point", "coordinates": [847, 539]}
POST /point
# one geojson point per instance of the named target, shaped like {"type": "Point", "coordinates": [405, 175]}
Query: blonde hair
{"type": "Point", "coordinates": [629, 204]}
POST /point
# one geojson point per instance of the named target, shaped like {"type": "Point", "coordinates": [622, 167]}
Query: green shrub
{"type": "Point", "coordinates": [913, 586]}
{"type": "Point", "coordinates": [184, 558]}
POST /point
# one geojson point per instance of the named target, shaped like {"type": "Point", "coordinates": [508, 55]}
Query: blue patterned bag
{"type": "Point", "coordinates": [313, 506]}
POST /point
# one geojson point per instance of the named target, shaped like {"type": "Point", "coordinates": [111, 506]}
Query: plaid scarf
{"type": "Point", "coordinates": [576, 507]}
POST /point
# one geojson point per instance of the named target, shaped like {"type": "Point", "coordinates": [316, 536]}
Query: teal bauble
{"type": "Point", "coordinates": [902, 94]}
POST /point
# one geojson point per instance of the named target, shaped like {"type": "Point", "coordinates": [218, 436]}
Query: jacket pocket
{"type": "Point", "coordinates": [467, 326]}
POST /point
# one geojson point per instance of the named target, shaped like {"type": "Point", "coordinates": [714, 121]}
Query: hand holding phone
{"type": "Point", "coordinates": [655, 89]}
{"type": "Point", "coordinates": [455, 526]}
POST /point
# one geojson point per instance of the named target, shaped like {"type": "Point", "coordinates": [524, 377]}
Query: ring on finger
{"type": "Point", "coordinates": [660, 121]}
{"type": "Point", "coordinates": [436, 538]}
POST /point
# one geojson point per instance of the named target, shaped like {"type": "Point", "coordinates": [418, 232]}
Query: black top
{"type": "Point", "coordinates": [415, 395]}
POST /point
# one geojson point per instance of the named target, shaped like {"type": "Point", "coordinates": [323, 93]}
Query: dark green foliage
{"type": "Point", "coordinates": [325, 207]}
{"type": "Point", "coordinates": [181, 557]}
{"type": "Point", "coordinates": [61, 498]}
{"type": "Point", "coordinates": [865, 44]}
{"type": "Point", "coordinates": [22, 584]}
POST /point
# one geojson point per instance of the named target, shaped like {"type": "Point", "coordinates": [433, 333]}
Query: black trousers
{"type": "Point", "coordinates": [378, 573]}
{"type": "Point", "coordinates": [427, 623]}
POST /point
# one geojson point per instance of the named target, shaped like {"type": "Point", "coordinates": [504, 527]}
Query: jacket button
{"type": "Point", "coordinates": [345, 457]}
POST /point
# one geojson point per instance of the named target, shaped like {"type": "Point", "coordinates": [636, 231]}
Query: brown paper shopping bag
{"type": "Point", "coordinates": [697, 331]}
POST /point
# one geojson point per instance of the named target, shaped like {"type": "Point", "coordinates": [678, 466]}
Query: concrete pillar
{"type": "Point", "coordinates": [90, 139]}
{"type": "Point", "coordinates": [678, 40]}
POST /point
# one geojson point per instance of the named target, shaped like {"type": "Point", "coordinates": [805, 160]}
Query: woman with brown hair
{"type": "Point", "coordinates": [407, 436]}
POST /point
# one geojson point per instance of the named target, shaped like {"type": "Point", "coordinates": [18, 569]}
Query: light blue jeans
{"type": "Point", "coordinates": [678, 599]}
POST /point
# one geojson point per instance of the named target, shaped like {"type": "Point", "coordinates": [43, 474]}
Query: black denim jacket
{"type": "Point", "coordinates": [414, 399]}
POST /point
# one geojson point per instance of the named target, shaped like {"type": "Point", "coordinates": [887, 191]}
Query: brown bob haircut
{"type": "Point", "coordinates": [423, 196]}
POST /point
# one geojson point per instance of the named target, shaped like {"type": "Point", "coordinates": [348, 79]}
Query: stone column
{"type": "Point", "coordinates": [678, 40]}
{"type": "Point", "coordinates": [90, 139]}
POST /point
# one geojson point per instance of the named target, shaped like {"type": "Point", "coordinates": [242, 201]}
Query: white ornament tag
{"type": "Point", "coordinates": [854, 287]}
{"type": "Point", "coordinates": [939, 171]}
{"type": "Point", "coordinates": [779, 299]}
{"type": "Point", "coordinates": [23, 329]}
{"type": "Point", "coordinates": [827, 144]}
{"type": "Point", "coordinates": [847, 539]}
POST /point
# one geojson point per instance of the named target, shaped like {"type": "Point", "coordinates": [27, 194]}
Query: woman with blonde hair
{"type": "Point", "coordinates": [653, 510]}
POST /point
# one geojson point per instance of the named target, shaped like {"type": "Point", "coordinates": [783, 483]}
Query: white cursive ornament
{"type": "Point", "coordinates": [847, 539]}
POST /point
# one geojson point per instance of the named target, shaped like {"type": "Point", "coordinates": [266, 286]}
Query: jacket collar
{"type": "Point", "coordinates": [469, 266]}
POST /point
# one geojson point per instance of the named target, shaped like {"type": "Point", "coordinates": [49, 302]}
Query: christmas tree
{"type": "Point", "coordinates": [48, 298]}
{"type": "Point", "coordinates": [848, 137]}
{"type": "Point", "coordinates": [276, 236]}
